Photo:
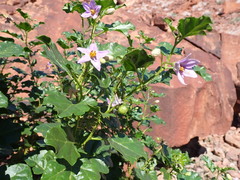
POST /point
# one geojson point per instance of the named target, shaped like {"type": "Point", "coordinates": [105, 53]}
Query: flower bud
{"type": "Point", "coordinates": [102, 60]}
{"type": "Point", "coordinates": [108, 58]}
{"type": "Point", "coordinates": [156, 52]}
{"type": "Point", "coordinates": [156, 101]}
{"type": "Point", "coordinates": [109, 11]}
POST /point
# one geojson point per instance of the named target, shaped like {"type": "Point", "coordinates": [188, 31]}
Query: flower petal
{"type": "Point", "coordinates": [181, 78]}
{"type": "Point", "coordinates": [92, 4]}
{"type": "Point", "coordinates": [97, 64]}
{"type": "Point", "coordinates": [86, 14]}
{"type": "Point", "coordinates": [86, 6]}
{"type": "Point", "coordinates": [190, 63]}
{"type": "Point", "coordinates": [93, 47]}
{"type": "Point", "coordinates": [84, 59]}
{"type": "Point", "coordinates": [190, 73]}
{"type": "Point", "coordinates": [83, 50]}
{"type": "Point", "coordinates": [101, 54]}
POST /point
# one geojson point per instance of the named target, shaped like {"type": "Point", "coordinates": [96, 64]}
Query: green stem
{"type": "Point", "coordinates": [90, 137]}
{"type": "Point", "coordinates": [145, 83]}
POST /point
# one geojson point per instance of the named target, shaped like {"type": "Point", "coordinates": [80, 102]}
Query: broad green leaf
{"type": "Point", "coordinates": [66, 149]}
{"type": "Point", "coordinates": [44, 39]}
{"type": "Point", "coordinates": [130, 148]}
{"type": "Point", "coordinates": [117, 26]}
{"type": "Point", "coordinates": [203, 73]}
{"type": "Point", "coordinates": [56, 171]}
{"type": "Point", "coordinates": [3, 100]}
{"type": "Point", "coordinates": [56, 57]}
{"type": "Point", "coordinates": [138, 58]}
{"type": "Point", "coordinates": [115, 49]}
{"type": "Point", "coordinates": [65, 107]}
{"type": "Point", "coordinates": [91, 169]}
{"type": "Point", "coordinates": [24, 26]}
{"type": "Point", "coordinates": [39, 161]}
{"type": "Point", "coordinates": [166, 49]}
{"type": "Point", "coordinates": [105, 4]}
{"type": "Point", "coordinates": [45, 127]}
{"type": "Point", "coordinates": [143, 175]}
{"type": "Point", "coordinates": [8, 49]}
{"type": "Point", "coordinates": [73, 6]}
{"type": "Point", "coordinates": [19, 171]}
{"type": "Point", "coordinates": [194, 26]}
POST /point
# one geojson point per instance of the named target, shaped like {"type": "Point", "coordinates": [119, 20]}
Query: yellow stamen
{"type": "Point", "coordinates": [92, 11]}
{"type": "Point", "coordinates": [93, 54]}
{"type": "Point", "coordinates": [181, 68]}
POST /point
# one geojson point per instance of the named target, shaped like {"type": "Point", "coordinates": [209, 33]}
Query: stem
{"type": "Point", "coordinates": [90, 137]}
{"type": "Point", "coordinates": [146, 82]}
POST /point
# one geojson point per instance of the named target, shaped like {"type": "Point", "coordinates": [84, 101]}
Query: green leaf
{"type": "Point", "coordinates": [6, 39]}
{"type": "Point", "coordinates": [91, 169]}
{"type": "Point", "coordinates": [169, 23]}
{"type": "Point", "coordinates": [24, 26]}
{"type": "Point", "coordinates": [66, 149]}
{"type": "Point", "coordinates": [18, 36]}
{"type": "Point", "coordinates": [3, 100]}
{"type": "Point", "coordinates": [105, 4]}
{"type": "Point", "coordinates": [19, 171]}
{"type": "Point", "coordinates": [39, 161]}
{"type": "Point", "coordinates": [116, 26]}
{"type": "Point", "coordinates": [130, 148]}
{"type": "Point", "coordinates": [8, 49]}
{"type": "Point", "coordinates": [115, 49]}
{"type": "Point", "coordinates": [203, 73]}
{"type": "Point", "coordinates": [143, 175]}
{"type": "Point", "coordinates": [156, 119]}
{"type": "Point", "coordinates": [166, 49]}
{"type": "Point", "coordinates": [45, 127]}
{"type": "Point", "coordinates": [44, 39]}
{"type": "Point", "coordinates": [63, 43]}
{"type": "Point", "coordinates": [19, 71]}
{"type": "Point", "coordinates": [194, 26]}
{"type": "Point", "coordinates": [56, 171]}
{"type": "Point", "coordinates": [23, 14]}
{"type": "Point", "coordinates": [56, 57]}
{"type": "Point", "coordinates": [138, 58]}
{"type": "Point", "coordinates": [73, 6]}
{"type": "Point", "coordinates": [65, 107]}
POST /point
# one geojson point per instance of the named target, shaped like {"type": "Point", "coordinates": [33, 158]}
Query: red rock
{"type": "Point", "coordinates": [233, 139]}
{"type": "Point", "coordinates": [231, 6]}
{"type": "Point", "coordinates": [230, 55]}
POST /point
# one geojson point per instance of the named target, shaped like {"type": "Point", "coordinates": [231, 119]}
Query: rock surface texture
{"type": "Point", "coordinates": [196, 110]}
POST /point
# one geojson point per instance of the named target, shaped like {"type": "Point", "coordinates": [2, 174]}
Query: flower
{"type": "Point", "coordinates": [49, 65]}
{"type": "Point", "coordinates": [184, 68]}
{"type": "Point", "coordinates": [91, 9]}
{"type": "Point", "coordinates": [92, 54]}
{"type": "Point", "coordinates": [116, 101]}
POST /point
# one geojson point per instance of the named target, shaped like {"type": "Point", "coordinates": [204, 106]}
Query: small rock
{"type": "Point", "coordinates": [233, 155]}
{"type": "Point", "coordinates": [233, 140]}
{"type": "Point", "coordinates": [219, 152]}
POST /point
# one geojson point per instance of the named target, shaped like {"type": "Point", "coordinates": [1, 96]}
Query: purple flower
{"type": "Point", "coordinates": [91, 9]}
{"type": "Point", "coordinates": [49, 65]}
{"type": "Point", "coordinates": [184, 68]}
{"type": "Point", "coordinates": [116, 101]}
{"type": "Point", "coordinates": [92, 54]}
